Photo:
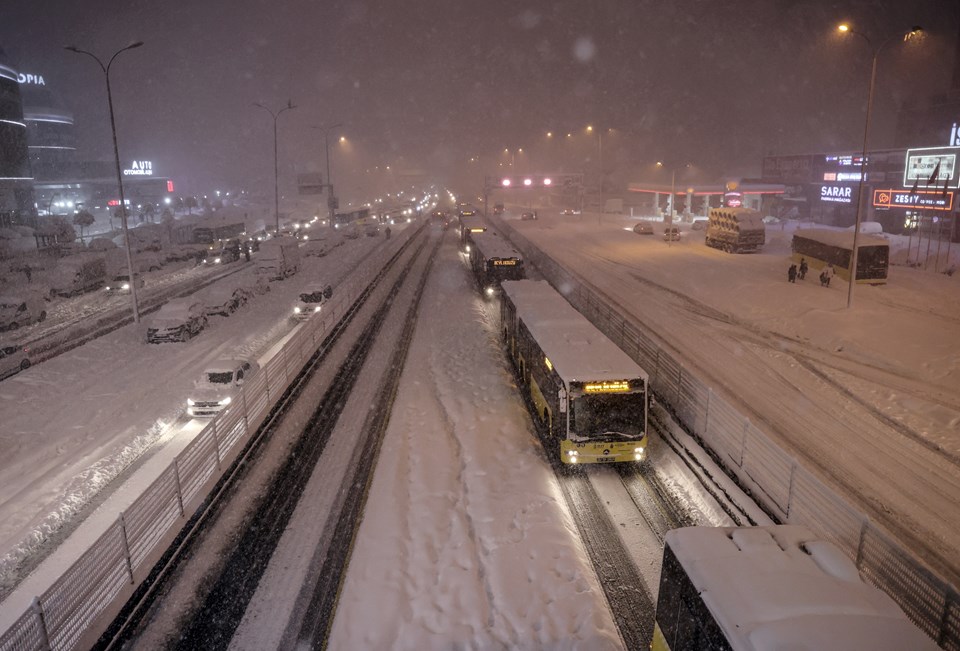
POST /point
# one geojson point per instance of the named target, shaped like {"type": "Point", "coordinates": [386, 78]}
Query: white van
{"type": "Point", "coordinates": [19, 311]}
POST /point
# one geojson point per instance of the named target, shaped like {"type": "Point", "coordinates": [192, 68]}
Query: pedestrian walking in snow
{"type": "Point", "coordinates": [828, 273]}
{"type": "Point", "coordinates": [792, 273]}
{"type": "Point", "coordinates": [802, 272]}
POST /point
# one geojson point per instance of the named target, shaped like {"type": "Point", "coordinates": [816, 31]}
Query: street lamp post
{"type": "Point", "coordinates": [326, 148]}
{"type": "Point", "coordinates": [276, 165]}
{"type": "Point", "coordinates": [600, 158]}
{"type": "Point", "coordinates": [116, 153]}
{"type": "Point", "coordinates": [915, 31]}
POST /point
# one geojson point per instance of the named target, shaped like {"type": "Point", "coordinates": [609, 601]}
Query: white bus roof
{"type": "Point", "coordinates": [575, 347]}
{"type": "Point", "coordinates": [491, 244]}
{"type": "Point", "coordinates": [473, 221]}
{"type": "Point", "coordinates": [842, 239]}
{"type": "Point", "coordinates": [781, 587]}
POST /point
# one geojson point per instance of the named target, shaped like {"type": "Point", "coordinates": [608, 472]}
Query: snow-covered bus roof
{"type": "Point", "coordinates": [781, 587]}
{"type": "Point", "coordinates": [491, 244]}
{"type": "Point", "coordinates": [842, 239]}
{"type": "Point", "coordinates": [473, 221]}
{"type": "Point", "coordinates": [575, 347]}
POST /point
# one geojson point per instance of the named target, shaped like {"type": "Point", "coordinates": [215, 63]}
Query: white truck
{"type": "Point", "coordinates": [735, 230]}
{"type": "Point", "coordinates": [278, 258]}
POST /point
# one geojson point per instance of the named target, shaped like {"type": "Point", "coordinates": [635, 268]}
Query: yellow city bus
{"type": "Point", "coordinates": [590, 398]}
{"type": "Point", "coordinates": [822, 246]}
{"type": "Point", "coordinates": [771, 587]}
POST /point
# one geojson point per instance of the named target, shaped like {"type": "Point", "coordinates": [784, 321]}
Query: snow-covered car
{"type": "Point", "coordinates": [19, 311]}
{"type": "Point", "coordinates": [120, 284]}
{"type": "Point", "coordinates": [219, 386]}
{"type": "Point", "coordinates": [699, 225]}
{"type": "Point", "coordinates": [221, 256]}
{"type": "Point", "coordinates": [671, 234]}
{"type": "Point", "coordinates": [13, 359]}
{"type": "Point", "coordinates": [224, 299]}
{"type": "Point", "coordinates": [311, 300]}
{"type": "Point", "coordinates": [178, 320]}
{"type": "Point", "coordinates": [147, 261]}
{"type": "Point", "coordinates": [643, 228]}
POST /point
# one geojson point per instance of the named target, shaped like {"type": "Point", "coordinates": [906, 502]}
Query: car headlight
{"type": "Point", "coordinates": [107, 288]}
{"type": "Point", "coordinates": [216, 261]}
{"type": "Point", "coordinates": [489, 291]}
{"type": "Point", "coordinates": [316, 309]}
{"type": "Point", "coordinates": [125, 286]}
{"type": "Point", "coordinates": [226, 401]}
{"type": "Point", "coordinates": [190, 402]}
{"type": "Point", "coordinates": [204, 261]}
{"type": "Point", "coordinates": [296, 310]}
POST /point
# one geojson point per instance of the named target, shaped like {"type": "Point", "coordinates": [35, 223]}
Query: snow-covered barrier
{"type": "Point", "coordinates": [787, 491]}
{"type": "Point", "coordinates": [75, 611]}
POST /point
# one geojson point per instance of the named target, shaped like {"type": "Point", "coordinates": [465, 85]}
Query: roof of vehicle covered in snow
{"type": "Point", "coordinates": [575, 347]}
{"type": "Point", "coordinates": [781, 587]}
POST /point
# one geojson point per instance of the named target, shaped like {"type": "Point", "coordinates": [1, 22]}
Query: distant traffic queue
{"type": "Point", "coordinates": [588, 397]}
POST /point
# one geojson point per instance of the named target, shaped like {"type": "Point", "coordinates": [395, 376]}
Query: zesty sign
{"type": "Point", "coordinates": [836, 193]}
{"type": "Point", "coordinates": [928, 199]}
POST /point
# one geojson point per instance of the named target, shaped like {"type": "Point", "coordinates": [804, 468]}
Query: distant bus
{"type": "Point", "coordinates": [822, 246]}
{"type": "Point", "coordinates": [775, 587]}
{"type": "Point", "coordinates": [587, 395]}
{"type": "Point", "coordinates": [493, 260]}
{"type": "Point", "coordinates": [360, 217]}
{"type": "Point", "coordinates": [216, 234]}
{"type": "Point", "coordinates": [468, 224]}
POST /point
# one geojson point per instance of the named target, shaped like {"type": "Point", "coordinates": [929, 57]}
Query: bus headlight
{"type": "Point", "coordinates": [639, 454]}
{"type": "Point", "coordinates": [296, 310]}
{"type": "Point", "coordinates": [572, 455]}
{"type": "Point", "coordinates": [489, 291]}
{"type": "Point", "coordinates": [190, 402]}
{"type": "Point", "coordinates": [316, 309]}
{"type": "Point", "coordinates": [226, 401]}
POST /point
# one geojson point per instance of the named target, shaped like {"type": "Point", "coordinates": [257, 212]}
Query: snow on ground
{"type": "Point", "coordinates": [465, 541]}
{"type": "Point", "coordinates": [73, 423]}
{"type": "Point", "coordinates": [896, 354]}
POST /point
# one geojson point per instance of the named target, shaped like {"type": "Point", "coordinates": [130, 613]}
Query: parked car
{"type": "Point", "coordinates": [224, 299]}
{"type": "Point", "coordinates": [528, 216]}
{"type": "Point", "coordinates": [178, 320]}
{"type": "Point", "coordinates": [311, 300]}
{"type": "Point", "coordinates": [120, 284]}
{"type": "Point", "coordinates": [22, 310]}
{"type": "Point", "coordinates": [643, 228]}
{"type": "Point", "coordinates": [698, 225]}
{"type": "Point", "coordinates": [13, 359]}
{"type": "Point", "coordinates": [671, 234]}
{"type": "Point", "coordinates": [219, 385]}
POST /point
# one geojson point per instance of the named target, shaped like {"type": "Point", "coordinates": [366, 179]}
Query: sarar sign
{"type": "Point", "coordinates": [836, 193]}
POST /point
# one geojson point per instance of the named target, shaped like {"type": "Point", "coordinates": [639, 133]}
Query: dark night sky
{"type": "Point", "coordinates": [426, 84]}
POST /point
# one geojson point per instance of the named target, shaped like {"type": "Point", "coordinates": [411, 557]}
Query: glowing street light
{"type": "Point", "coordinates": [116, 155]}
{"type": "Point", "coordinates": [844, 28]}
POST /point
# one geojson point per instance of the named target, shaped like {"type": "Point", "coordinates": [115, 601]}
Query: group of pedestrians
{"type": "Point", "coordinates": [800, 272]}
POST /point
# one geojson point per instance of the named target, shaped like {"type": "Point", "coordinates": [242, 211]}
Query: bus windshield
{"type": "Point", "coordinates": [606, 415]}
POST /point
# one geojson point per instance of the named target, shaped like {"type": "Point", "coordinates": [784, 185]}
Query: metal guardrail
{"type": "Point", "coordinates": [78, 607]}
{"type": "Point", "coordinates": [785, 489]}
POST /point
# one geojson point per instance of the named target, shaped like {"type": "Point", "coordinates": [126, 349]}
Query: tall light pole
{"type": "Point", "coordinates": [116, 154]}
{"type": "Point", "coordinates": [326, 148]}
{"type": "Point", "coordinates": [906, 36]}
{"type": "Point", "coordinates": [600, 157]}
{"type": "Point", "coordinates": [276, 165]}
{"type": "Point", "coordinates": [673, 188]}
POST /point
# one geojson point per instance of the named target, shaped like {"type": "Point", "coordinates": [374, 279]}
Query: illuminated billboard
{"type": "Point", "coordinates": [922, 164]}
{"type": "Point", "coordinates": [927, 199]}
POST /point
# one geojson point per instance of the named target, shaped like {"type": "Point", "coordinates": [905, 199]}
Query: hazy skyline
{"type": "Point", "coordinates": [429, 84]}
